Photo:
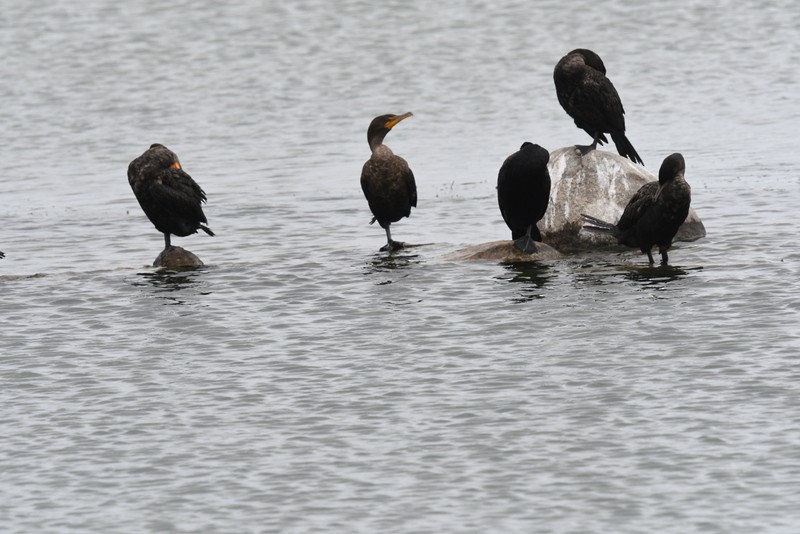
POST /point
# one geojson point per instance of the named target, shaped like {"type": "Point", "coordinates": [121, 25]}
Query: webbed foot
{"type": "Point", "coordinates": [391, 246]}
{"type": "Point", "coordinates": [526, 244]}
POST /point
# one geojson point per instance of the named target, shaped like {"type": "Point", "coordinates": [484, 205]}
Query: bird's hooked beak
{"type": "Point", "coordinates": [175, 165]}
{"type": "Point", "coordinates": [397, 118]}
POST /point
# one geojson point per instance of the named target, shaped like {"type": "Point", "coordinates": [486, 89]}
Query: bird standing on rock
{"type": "Point", "coordinates": [654, 213]}
{"type": "Point", "coordinates": [169, 197]}
{"type": "Point", "coordinates": [589, 97]}
{"type": "Point", "coordinates": [386, 179]}
{"type": "Point", "coordinates": [523, 191]}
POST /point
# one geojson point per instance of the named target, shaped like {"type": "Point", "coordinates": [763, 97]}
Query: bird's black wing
{"type": "Point", "coordinates": [412, 186]}
{"type": "Point", "coordinates": [601, 102]}
{"type": "Point", "coordinates": [638, 205]}
{"type": "Point", "coordinates": [176, 192]}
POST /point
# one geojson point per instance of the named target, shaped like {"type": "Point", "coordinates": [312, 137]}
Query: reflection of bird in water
{"type": "Point", "coordinates": [591, 99]}
{"type": "Point", "coordinates": [530, 278]}
{"type": "Point", "coordinates": [386, 179]}
{"type": "Point", "coordinates": [654, 214]}
{"type": "Point", "coordinates": [523, 191]}
{"type": "Point", "coordinates": [169, 197]}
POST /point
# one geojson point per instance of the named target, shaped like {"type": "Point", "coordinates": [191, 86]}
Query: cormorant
{"type": "Point", "coordinates": [523, 191]}
{"type": "Point", "coordinates": [168, 196]}
{"type": "Point", "coordinates": [590, 98]}
{"type": "Point", "coordinates": [654, 214]}
{"type": "Point", "coordinates": [386, 179]}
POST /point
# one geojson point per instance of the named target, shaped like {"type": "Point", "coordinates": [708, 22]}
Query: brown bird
{"type": "Point", "coordinates": [386, 179]}
{"type": "Point", "coordinates": [523, 192]}
{"type": "Point", "coordinates": [654, 213]}
{"type": "Point", "coordinates": [589, 97]}
{"type": "Point", "coordinates": [169, 197]}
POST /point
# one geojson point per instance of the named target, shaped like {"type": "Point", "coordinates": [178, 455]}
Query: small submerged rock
{"type": "Point", "coordinates": [503, 251]}
{"type": "Point", "coordinates": [177, 258]}
{"type": "Point", "coordinates": [599, 184]}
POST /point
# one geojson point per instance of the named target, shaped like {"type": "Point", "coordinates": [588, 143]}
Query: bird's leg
{"type": "Point", "coordinates": [585, 149]}
{"type": "Point", "coordinates": [390, 244]}
{"type": "Point", "coordinates": [167, 244]}
{"type": "Point", "coordinates": [664, 258]}
{"type": "Point", "coordinates": [526, 243]}
{"type": "Point", "coordinates": [650, 257]}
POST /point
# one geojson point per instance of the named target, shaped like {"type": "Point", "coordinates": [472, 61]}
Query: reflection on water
{"type": "Point", "coordinates": [173, 286]}
{"type": "Point", "coordinates": [650, 277]}
{"type": "Point", "coordinates": [531, 277]}
{"type": "Point", "coordinates": [387, 262]}
{"type": "Point", "coordinates": [645, 275]}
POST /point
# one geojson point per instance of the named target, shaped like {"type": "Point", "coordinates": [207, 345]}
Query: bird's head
{"type": "Point", "coordinates": [162, 157]}
{"type": "Point", "coordinates": [589, 58]}
{"type": "Point", "coordinates": [672, 167]}
{"type": "Point", "coordinates": [381, 125]}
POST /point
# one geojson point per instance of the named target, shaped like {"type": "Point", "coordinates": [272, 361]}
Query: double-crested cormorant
{"type": "Point", "coordinates": [168, 196]}
{"type": "Point", "coordinates": [386, 179]}
{"type": "Point", "coordinates": [590, 98]}
{"type": "Point", "coordinates": [523, 191]}
{"type": "Point", "coordinates": [654, 214]}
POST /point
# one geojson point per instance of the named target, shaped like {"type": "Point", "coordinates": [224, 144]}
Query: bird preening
{"type": "Point", "coordinates": [589, 97]}
{"type": "Point", "coordinates": [654, 213]}
{"type": "Point", "coordinates": [170, 198]}
{"type": "Point", "coordinates": [523, 191]}
{"type": "Point", "coordinates": [386, 179]}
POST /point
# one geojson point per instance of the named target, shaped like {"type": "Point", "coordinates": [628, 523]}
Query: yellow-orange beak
{"type": "Point", "coordinates": [391, 123]}
{"type": "Point", "coordinates": [175, 165]}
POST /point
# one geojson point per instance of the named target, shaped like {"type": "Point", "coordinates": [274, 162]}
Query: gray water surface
{"type": "Point", "coordinates": [302, 381]}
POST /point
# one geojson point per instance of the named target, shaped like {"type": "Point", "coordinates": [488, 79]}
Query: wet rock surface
{"type": "Point", "coordinates": [503, 251]}
{"type": "Point", "coordinates": [177, 258]}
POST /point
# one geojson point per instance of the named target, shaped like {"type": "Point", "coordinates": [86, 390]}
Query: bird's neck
{"type": "Point", "coordinates": [381, 151]}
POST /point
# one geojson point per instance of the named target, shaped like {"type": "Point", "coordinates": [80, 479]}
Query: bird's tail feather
{"type": "Point", "coordinates": [207, 230]}
{"type": "Point", "coordinates": [593, 224]}
{"type": "Point", "coordinates": [625, 148]}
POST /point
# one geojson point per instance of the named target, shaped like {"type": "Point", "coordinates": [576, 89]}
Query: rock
{"type": "Point", "coordinates": [177, 258]}
{"type": "Point", "coordinates": [503, 251]}
{"type": "Point", "coordinates": [599, 184]}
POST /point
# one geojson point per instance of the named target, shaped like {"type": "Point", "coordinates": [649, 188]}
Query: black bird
{"type": "Point", "coordinates": [169, 197]}
{"type": "Point", "coordinates": [590, 98]}
{"type": "Point", "coordinates": [2, 255]}
{"type": "Point", "coordinates": [654, 214]}
{"type": "Point", "coordinates": [386, 179]}
{"type": "Point", "coordinates": [523, 191]}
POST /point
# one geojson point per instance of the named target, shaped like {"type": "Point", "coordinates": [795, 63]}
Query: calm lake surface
{"type": "Point", "coordinates": [302, 381]}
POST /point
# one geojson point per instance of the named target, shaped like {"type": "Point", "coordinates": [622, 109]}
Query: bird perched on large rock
{"type": "Point", "coordinates": [589, 97]}
{"type": "Point", "coordinates": [386, 179]}
{"type": "Point", "coordinates": [169, 197]}
{"type": "Point", "coordinates": [523, 191]}
{"type": "Point", "coordinates": [654, 214]}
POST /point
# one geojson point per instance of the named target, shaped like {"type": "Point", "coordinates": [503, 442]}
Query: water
{"type": "Point", "coordinates": [303, 381]}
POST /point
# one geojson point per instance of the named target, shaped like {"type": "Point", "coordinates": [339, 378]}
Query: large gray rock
{"type": "Point", "coordinates": [503, 251]}
{"type": "Point", "coordinates": [599, 184]}
{"type": "Point", "coordinates": [177, 258]}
